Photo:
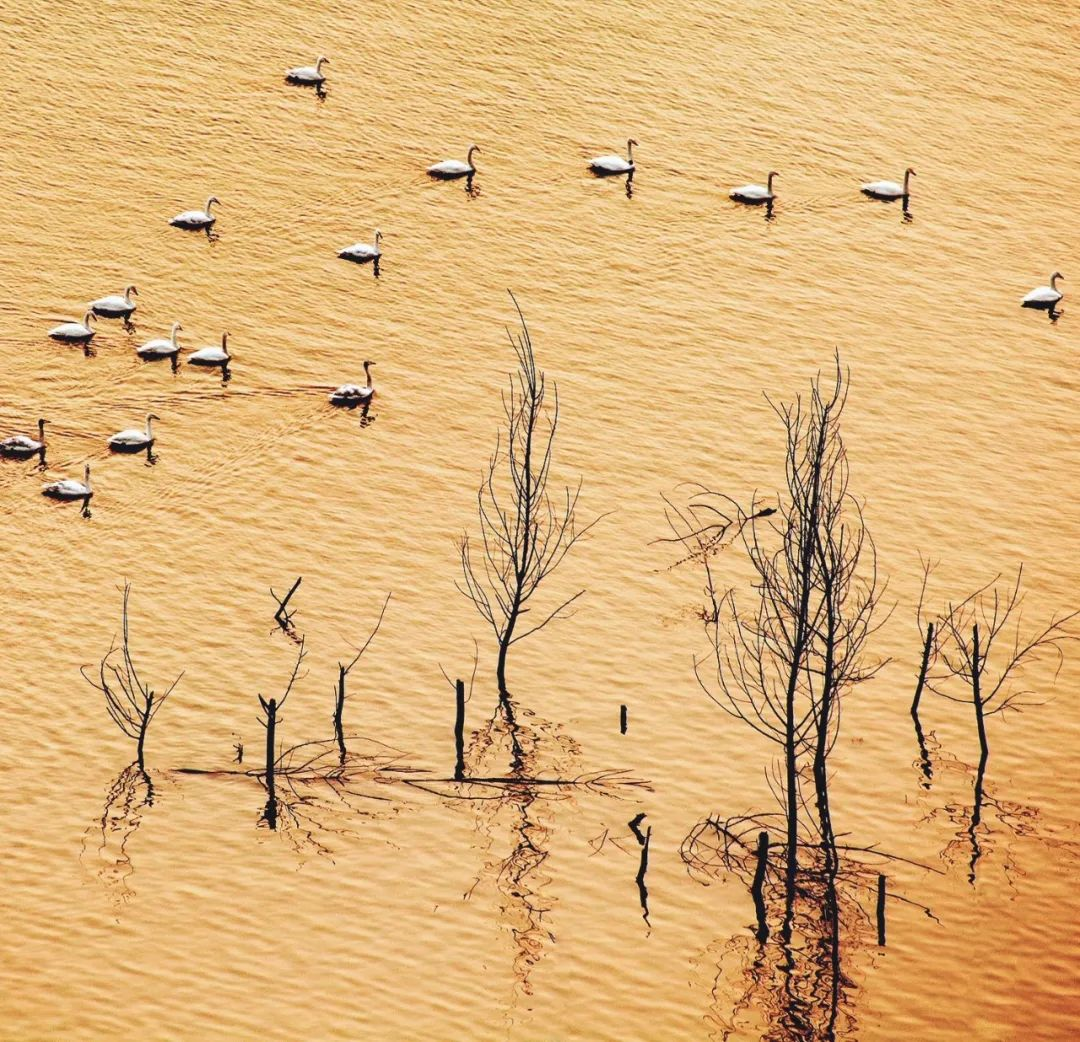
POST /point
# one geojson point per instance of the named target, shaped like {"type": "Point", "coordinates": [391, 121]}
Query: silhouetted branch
{"type": "Point", "coordinates": [131, 703]}
{"type": "Point", "coordinates": [525, 529]}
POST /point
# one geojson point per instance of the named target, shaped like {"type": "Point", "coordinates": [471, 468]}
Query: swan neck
{"type": "Point", "coordinates": [149, 426]}
{"type": "Point", "coordinates": [367, 373]}
{"type": "Point", "coordinates": [630, 151]}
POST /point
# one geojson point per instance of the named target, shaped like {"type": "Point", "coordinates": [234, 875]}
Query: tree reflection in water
{"type": "Point", "coordinates": [128, 798]}
{"type": "Point", "coordinates": [792, 987]}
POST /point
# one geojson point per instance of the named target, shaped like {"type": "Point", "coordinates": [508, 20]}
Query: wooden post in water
{"type": "Point", "coordinates": [339, 709]}
{"type": "Point", "coordinates": [271, 797]}
{"type": "Point", "coordinates": [757, 888]}
{"type": "Point", "coordinates": [622, 719]}
{"type": "Point", "coordinates": [459, 731]}
{"type": "Point", "coordinates": [881, 910]}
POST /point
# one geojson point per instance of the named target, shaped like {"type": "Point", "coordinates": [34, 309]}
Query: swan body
{"type": "Point", "coordinates": [615, 164]}
{"type": "Point", "coordinates": [451, 168]}
{"type": "Point", "coordinates": [116, 305]}
{"type": "Point", "coordinates": [353, 394]}
{"type": "Point", "coordinates": [161, 347]}
{"type": "Point", "coordinates": [1044, 296]}
{"type": "Point", "coordinates": [23, 444]}
{"type": "Point", "coordinates": [133, 438]}
{"type": "Point", "coordinates": [195, 219]}
{"type": "Point", "coordinates": [310, 74]}
{"type": "Point", "coordinates": [69, 488]}
{"type": "Point", "coordinates": [754, 193]}
{"type": "Point", "coordinates": [362, 252]}
{"type": "Point", "coordinates": [75, 331]}
{"type": "Point", "coordinates": [889, 189]}
{"type": "Point", "coordinates": [212, 356]}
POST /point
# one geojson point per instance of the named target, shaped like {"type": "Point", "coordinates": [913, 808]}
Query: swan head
{"type": "Point", "coordinates": [41, 426]}
{"type": "Point", "coordinates": [321, 61]}
{"type": "Point", "coordinates": [176, 327]}
{"type": "Point", "coordinates": [129, 290]}
{"type": "Point", "coordinates": [209, 202]}
{"type": "Point", "coordinates": [472, 149]}
{"type": "Point", "coordinates": [1053, 279]}
{"type": "Point", "coordinates": [772, 174]}
{"type": "Point", "coordinates": [86, 475]}
{"type": "Point", "coordinates": [225, 342]}
{"type": "Point", "coordinates": [378, 236]}
{"type": "Point", "coordinates": [87, 319]}
{"type": "Point", "coordinates": [368, 365]}
{"type": "Point", "coordinates": [630, 142]}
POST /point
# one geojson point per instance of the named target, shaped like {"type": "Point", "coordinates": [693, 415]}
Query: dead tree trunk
{"type": "Point", "coordinates": [757, 888]}
{"type": "Point", "coordinates": [459, 731]}
{"type": "Point", "coordinates": [271, 708]}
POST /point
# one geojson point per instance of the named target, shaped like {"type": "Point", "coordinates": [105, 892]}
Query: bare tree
{"type": "Point", "coordinates": [131, 702]}
{"type": "Point", "coordinates": [272, 708]}
{"type": "Point", "coordinates": [783, 666]}
{"type": "Point", "coordinates": [984, 647]}
{"type": "Point", "coordinates": [526, 528]}
{"type": "Point", "coordinates": [344, 669]}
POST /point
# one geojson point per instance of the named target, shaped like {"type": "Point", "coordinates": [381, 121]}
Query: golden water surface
{"type": "Point", "coordinates": [665, 318]}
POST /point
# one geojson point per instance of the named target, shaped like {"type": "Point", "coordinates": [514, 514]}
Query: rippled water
{"type": "Point", "coordinates": [664, 317]}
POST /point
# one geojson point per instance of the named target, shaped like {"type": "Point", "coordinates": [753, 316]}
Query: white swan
{"type": "Point", "coordinates": [74, 330]}
{"type": "Point", "coordinates": [195, 219]}
{"type": "Point", "coordinates": [308, 74]}
{"type": "Point", "coordinates": [352, 394]}
{"type": "Point", "coordinates": [133, 438]}
{"type": "Point", "coordinates": [161, 347]}
{"type": "Point", "coordinates": [755, 193]}
{"type": "Point", "coordinates": [362, 252]}
{"type": "Point", "coordinates": [615, 164]}
{"type": "Point", "coordinates": [69, 488]}
{"type": "Point", "coordinates": [212, 356]}
{"type": "Point", "coordinates": [115, 306]}
{"type": "Point", "coordinates": [889, 189]}
{"type": "Point", "coordinates": [23, 444]}
{"type": "Point", "coordinates": [1044, 296]}
{"type": "Point", "coordinates": [451, 168]}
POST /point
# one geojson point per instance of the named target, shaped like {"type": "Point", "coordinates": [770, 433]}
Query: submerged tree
{"type": "Point", "coordinates": [131, 702]}
{"type": "Point", "coordinates": [526, 527]}
{"type": "Point", "coordinates": [783, 666]}
{"type": "Point", "coordinates": [984, 648]}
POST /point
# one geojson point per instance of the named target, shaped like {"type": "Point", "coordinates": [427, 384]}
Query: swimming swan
{"type": "Point", "coordinates": [615, 164]}
{"type": "Point", "coordinates": [1044, 296]}
{"type": "Point", "coordinates": [212, 356]}
{"type": "Point", "coordinates": [308, 74]}
{"type": "Point", "coordinates": [448, 169]}
{"type": "Point", "coordinates": [755, 193]}
{"type": "Point", "coordinates": [196, 219]}
{"type": "Point", "coordinates": [23, 444]}
{"type": "Point", "coordinates": [362, 252]}
{"type": "Point", "coordinates": [115, 306]}
{"type": "Point", "coordinates": [889, 189]}
{"type": "Point", "coordinates": [69, 488]}
{"type": "Point", "coordinates": [75, 331]}
{"type": "Point", "coordinates": [351, 394]}
{"type": "Point", "coordinates": [161, 347]}
{"type": "Point", "coordinates": [133, 438]}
